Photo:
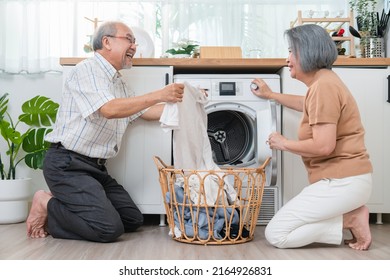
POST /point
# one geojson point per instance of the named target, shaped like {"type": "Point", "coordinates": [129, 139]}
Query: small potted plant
{"type": "Point", "coordinates": [183, 48]}
{"type": "Point", "coordinates": [367, 21]}
{"type": "Point", "coordinates": [366, 16]}
{"type": "Point", "coordinates": [39, 113]}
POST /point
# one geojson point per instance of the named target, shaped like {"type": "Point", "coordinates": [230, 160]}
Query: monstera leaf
{"type": "Point", "coordinates": [35, 147]}
{"type": "Point", "coordinates": [39, 111]}
{"type": "Point", "coordinates": [3, 105]}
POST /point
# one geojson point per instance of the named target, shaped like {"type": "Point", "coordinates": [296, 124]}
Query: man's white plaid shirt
{"type": "Point", "coordinates": [79, 125]}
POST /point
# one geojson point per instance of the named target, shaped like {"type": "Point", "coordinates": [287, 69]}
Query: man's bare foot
{"type": "Point", "coordinates": [36, 220]}
{"type": "Point", "coordinates": [357, 221]}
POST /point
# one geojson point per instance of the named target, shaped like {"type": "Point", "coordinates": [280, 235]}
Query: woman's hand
{"type": "Point", "coordinates": [276, 141]}
{"type": "Point", "coordinates": [263, 89]}
{"type": "Point", "coordinates": [322, 143]}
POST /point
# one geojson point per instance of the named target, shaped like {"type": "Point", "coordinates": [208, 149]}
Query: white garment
{"type": "Point", "coordinates": [191, 145]}
{"type": "Point", "coordinates": [170, 117]}
{"type": "Point", "coordinates": [316, 214]}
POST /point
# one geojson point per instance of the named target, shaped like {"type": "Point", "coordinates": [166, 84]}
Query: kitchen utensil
{"type": "Point", "coordinates": [383, 23]}
{"type": "Point", "coordinates": [340, 32]}
{"type": "Point", "coordinates": [354, 32]}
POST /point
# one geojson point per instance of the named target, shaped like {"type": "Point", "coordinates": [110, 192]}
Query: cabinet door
{"type": "Point", "coordinates": [134, 166]}
{"type": "Point", "coordinates": [294, 175]}
{"type": "Point", "coordinates": [369, 87]}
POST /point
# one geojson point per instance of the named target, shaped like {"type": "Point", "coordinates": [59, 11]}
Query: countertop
{"type": "Point", "coordinates": [267, 65]}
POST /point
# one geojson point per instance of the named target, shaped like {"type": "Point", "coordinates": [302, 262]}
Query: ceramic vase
{"type": "Point", "coordinates": [14, 197]}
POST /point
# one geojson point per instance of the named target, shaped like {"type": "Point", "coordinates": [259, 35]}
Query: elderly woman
{"type": "Point", "coordinates": [331, 144]}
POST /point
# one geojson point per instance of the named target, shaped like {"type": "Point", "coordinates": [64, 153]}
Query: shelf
{"type": "Point", "coordinates": [326, 23]}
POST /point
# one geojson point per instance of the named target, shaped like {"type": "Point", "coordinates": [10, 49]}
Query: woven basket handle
{"type": "Point", "coordinates": [159, 162]}
{"type": "Point", "coordinates": [268, 159]}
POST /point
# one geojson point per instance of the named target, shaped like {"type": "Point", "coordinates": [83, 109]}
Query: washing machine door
{"type": "Point", "coordinates": [232, 133]}
{"type": "Point", "coordinates": [266, 124]}
{"type": "Point", "coordinates": [238, 135]}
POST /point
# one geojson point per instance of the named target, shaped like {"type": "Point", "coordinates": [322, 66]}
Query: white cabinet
{"type": "Point", "coordinates": [369, 86]}
{"type": "Point", "coordinates": [134, 167]}
{"type": "Point", "coordinates": [294, 176]}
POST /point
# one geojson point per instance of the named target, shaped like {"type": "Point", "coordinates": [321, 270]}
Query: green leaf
{"type": "Point", "coordinates": [35, 146]}
{"type": "Point", "coordinates": [35, 160]}
{"type": "Point", "coordinates": [39, 111]}
{"type": "Point", "coordinates": [9, 133]}
{"type": "Point", "coordinates": [3, 105]}
{"type": "Point", "coordinates": [190, 48]}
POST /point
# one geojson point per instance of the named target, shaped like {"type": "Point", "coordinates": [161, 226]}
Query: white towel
{"type": "Point", "coordinates": [191, 145]}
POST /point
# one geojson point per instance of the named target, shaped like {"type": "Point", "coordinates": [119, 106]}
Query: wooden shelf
{"type": "Point", "coordinates": [325, 23]}
{"type": "Point", "coordinates": [231, 64]}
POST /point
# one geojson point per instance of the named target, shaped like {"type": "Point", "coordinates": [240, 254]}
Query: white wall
{"type": "Point", "coordinates": [20, 89]}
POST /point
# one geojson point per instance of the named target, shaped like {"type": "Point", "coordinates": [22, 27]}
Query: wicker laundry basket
{"type": "Point", "coordinates": [230, 219]}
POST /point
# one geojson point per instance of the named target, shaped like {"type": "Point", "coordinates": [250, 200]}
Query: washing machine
{"type": "Point", "coordinates": [238, 127]}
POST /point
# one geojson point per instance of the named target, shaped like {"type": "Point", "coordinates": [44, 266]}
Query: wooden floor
{"type": "Point", "coordinates": [153, 242]}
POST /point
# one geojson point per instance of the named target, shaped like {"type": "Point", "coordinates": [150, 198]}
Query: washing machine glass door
{"type": "Point", "coordinates": [231, 135]}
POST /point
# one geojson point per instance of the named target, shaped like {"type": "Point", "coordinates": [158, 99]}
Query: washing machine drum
{"type": "Point", "coordinates": [231, 135]}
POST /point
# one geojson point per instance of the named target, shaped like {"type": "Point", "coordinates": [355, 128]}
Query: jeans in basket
{"type": "Point", "coordinates": [188, 218]}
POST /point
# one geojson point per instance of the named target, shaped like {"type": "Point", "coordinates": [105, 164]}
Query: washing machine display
{"type": "Point", "coordinates": [227, 88]}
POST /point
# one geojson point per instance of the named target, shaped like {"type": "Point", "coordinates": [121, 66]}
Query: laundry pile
{"type": "Point", "coordinates": [196, 220]}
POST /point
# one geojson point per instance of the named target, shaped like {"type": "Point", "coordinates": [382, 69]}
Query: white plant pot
{"type": "Point", "coordinates": [181, 55]}
{"type": "Point", "coordinates": [14, 196]}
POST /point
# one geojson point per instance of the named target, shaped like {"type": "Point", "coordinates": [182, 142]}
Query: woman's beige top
{"type": "Point", "coordinates": [328, 100]}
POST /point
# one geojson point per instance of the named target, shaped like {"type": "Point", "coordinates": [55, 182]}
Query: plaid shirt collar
{"type": "Point", "coordinates": [111, 72]}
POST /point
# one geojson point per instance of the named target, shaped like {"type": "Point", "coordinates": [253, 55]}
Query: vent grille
{"type": "Point", "coordinates": [269, 205]}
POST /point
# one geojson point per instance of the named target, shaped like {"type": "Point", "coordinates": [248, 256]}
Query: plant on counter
{"type": "Point", "coordinates": [39, 113]}
{"type": "Point", "coordinates": [366, 16]}
{"type": "Point", "coordinates": [184, 47]}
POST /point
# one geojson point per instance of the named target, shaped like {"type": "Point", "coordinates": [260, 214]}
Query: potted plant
{"type": "Point", "coordinates": [366, 16]}
{"type": "Point", "coordinates": [183, 48]}
{"type": "Point", "coordinates": [39, 113]}
{"type": "Point", "coordinates": [367, 20]}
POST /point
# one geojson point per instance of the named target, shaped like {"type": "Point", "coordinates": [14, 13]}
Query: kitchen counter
{"type": "Point", "coordinates": [265, 65]}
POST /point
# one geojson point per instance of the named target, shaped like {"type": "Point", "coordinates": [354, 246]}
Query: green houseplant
{"type": "Point", "coordinates": [39, 113]}
{"type": "Point", "coordinates": [184, 47]}
{"type": "Point", "coordinates": [366, 16]}
{"type": "Point", "coordinates": [371, 35]}
{"type": "Point", "coordinates": [29, 146]}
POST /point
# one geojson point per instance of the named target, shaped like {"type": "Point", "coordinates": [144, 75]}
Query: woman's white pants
{"type": "Point", "coordinates": [316, 214]}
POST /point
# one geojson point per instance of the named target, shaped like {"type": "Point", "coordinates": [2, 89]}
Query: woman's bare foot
{"type": "Point", "coordinates": [36, 220]}
{"type": "Point", "coordinates": [352, 240]}
{"type": "Point", "coordinates": [357, 221]}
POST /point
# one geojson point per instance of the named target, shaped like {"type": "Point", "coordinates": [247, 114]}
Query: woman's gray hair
{"type": "Point", "coordinates": [107, 28]}
{"type": "Point", "coordinates": [313, 47]}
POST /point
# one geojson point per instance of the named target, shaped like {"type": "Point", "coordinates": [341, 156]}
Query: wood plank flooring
{"type": "Point", "coordinates": [153, 242]}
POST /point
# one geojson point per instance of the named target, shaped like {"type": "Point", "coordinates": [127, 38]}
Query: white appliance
{"type": "Point", "coordinates": [239, 124]}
